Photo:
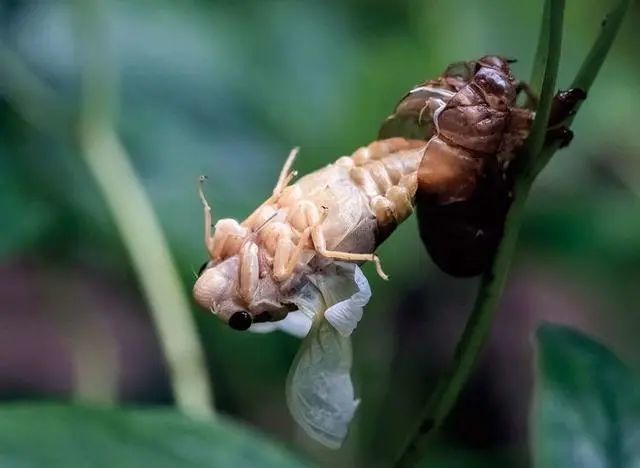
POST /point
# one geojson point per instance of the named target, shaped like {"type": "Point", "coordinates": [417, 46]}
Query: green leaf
{"type": "Point", "coordinates": [587, 404]}
{"type": "Point", "coordinates": [58, 435]}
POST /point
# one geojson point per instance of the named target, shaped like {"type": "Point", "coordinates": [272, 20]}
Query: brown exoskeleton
{"type": "Point", "coordinates": [475, 130]}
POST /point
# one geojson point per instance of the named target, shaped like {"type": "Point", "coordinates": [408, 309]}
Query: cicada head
{"type": "Point", "coordinates": [240, 290]}
{"type": "Point", "coordinates": [495, 62]}
{"type": "Point", "coordinates": [237, 297]}
{"type": "Point", "coordinates": [493, 76]}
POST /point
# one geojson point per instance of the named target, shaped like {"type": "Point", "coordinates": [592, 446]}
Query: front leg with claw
{"type": "Point", "coordinates": [565, 104]}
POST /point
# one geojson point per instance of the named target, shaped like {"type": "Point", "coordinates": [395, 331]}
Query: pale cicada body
{"type": "Point", "coordinates": [289, 265]}
{"type": "Point", "coordinates": [341, 212]}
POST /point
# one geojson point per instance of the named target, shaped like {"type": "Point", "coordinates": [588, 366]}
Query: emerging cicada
{"type": "Point", "coordinates": [290, 264]}
{"type": "Point", "coordinates": [345, 210]}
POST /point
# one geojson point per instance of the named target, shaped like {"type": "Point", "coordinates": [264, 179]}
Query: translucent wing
{"type": "Point", "coordinates": [320, 393]}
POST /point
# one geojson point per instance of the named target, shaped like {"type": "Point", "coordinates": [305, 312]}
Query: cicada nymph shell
{"type": "Point", "coordinates": [474, 128]}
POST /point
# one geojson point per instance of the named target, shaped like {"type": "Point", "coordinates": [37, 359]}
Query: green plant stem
{"type": "Point", "coordinates": [492, 283]}
{"type": "Point", "coordinates": [588, 71]}
{"type": "Point", "coordinates": [133, 214]}
{"type": "Point", "coordinates": [600, 49]}
{"type": "Point", "coordinates": [143, 238]}
{"type": "Point", "coordinates": [473, 337]}
{"type": "Point", "coordinates": [540, 58]}
{"type": "Point", "coordinates": [532, 162]}
{"type": "Point", "coordinates": [132, 211]}
{"type": "Point", "coordinates": [535, 157]}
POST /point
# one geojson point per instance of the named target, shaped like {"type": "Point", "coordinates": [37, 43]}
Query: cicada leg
{"type": "Point", "coordinates": [564, 105]}
{"type": "Point", "coordinates": [208, 220]}
{"type": "Point", "coordinates": [355, 257]}
{"type": "Point", "coordinates": [283, 180]}
{"type": "Point", "coordinates": [532, 97]}
{"type": "Point", "coordinates": [313, 220]}
{"type": "Point", "coordinates": [287, 255]}
{"type": "Point", "coordinates": [320, 244]}
{"type": "Point", "coordinates": [286, 174]}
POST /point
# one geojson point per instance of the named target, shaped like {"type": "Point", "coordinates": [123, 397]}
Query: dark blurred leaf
{"type": "Point", "coordinates": [52, 435]}
{"type": "Point", "coordinates": [587, 404]}
{"type": "Point", "coordinates": [440, 455]}
{"type": "Point", "coordinates": [601, 228]}
{"type": "Point", "coordinates": [24, 218]}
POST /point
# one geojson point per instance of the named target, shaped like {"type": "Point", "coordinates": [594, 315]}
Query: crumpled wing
{"type": "Point", "coordinates": [345, 314]}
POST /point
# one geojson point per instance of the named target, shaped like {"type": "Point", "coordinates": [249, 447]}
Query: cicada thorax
{"type": "Point", "coordinates": [469, 117]}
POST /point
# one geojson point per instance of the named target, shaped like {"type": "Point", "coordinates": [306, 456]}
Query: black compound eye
{"type": "Point", "coordinates": [203, 267]}
{"type": "Point", "coordinates": [240, 320]}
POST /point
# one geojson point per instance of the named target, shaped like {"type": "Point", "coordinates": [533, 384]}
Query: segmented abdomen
{"type": "Point", "coordinates": [386, 173]}
{"type": "Point", "coordinates": [357, 201]}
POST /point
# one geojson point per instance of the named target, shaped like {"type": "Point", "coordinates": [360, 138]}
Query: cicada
{"type": "Point", "coordinates": [292, 264]}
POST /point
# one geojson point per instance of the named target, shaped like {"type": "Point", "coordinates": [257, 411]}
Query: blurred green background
{"type": "Point", "coordinates": [226, 89]}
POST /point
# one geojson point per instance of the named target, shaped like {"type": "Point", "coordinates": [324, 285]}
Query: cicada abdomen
{"type": "Point", "coordinates": [470, 118]}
